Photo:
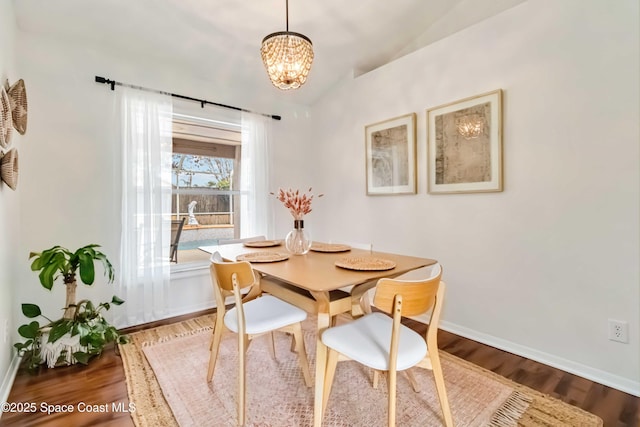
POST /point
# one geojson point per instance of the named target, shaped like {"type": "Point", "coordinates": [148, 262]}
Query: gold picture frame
{"type": "Point", "coordinates": [464, 145]}
{"type": "Point", "coordinates": [390, 148]}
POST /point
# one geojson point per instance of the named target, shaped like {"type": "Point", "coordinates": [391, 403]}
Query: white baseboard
{"type": "Point", "coordinates": [206, 305]}
{"type": "Point", "coordinates": [610, 380]}
{"type": "Point", "coordinates": [9, 377]}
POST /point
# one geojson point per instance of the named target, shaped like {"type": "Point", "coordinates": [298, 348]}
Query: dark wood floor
{"type": "Point", "coordinates": [103, 383]}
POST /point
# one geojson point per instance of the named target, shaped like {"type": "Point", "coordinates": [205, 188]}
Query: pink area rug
{"type": "Point", "coordinates": [166, 376]}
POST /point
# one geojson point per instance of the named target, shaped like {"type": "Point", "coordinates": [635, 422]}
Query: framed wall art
{"type": "Point", "coordinates": [464, 145]}
{"type": "Point", "coordinates": [391, 156]}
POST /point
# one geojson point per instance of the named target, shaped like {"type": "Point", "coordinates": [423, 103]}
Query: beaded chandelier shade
{"type": "Point", "coordinates": [287, 56]}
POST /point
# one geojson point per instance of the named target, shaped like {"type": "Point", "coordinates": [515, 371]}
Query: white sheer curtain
{"type": "Point", "coordinates": [146, 135]}
{"type": "Point", "coordinates": [256, 217]}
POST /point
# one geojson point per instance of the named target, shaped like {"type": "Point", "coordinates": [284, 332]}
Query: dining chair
{"type": "Point", "coordinates": [254, 314]}
{"type": "Point", "coordinates": [381, 342]}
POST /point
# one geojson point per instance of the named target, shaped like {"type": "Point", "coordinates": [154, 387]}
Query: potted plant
{"type": "Point", "coordinates": [82, 332]}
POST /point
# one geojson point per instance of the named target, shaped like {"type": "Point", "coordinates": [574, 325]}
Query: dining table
{"type": "Point", "coordinates": [310, 281]}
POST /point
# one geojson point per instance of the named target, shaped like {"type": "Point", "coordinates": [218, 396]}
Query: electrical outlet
{"type": "Point", "coordinates": [618, 330]}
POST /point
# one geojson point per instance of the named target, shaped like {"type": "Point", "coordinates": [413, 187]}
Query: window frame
{"type": "Point", "coordinates": [206, 137]}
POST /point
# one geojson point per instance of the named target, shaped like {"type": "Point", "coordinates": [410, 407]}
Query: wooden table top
{"type": "Point", "coordinates": [316, 271]}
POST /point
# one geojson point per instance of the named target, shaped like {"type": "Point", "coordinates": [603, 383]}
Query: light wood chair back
{"type": "Point", "coordinates": [227, 273]}
{"type": "Point", "coordinates": [418, 296]}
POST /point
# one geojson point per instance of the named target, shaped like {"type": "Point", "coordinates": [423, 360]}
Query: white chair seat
{"type": "Point", "coordinates": [265, 314]}
{"type": "Point", "coordinates": [366, 340]}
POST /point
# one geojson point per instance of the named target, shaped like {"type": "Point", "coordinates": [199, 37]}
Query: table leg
{"type": "Point", "coordinates": [324, 320]}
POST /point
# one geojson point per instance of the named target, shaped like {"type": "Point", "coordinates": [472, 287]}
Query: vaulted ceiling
{"type": "Point", "coordinates": [220, 39]}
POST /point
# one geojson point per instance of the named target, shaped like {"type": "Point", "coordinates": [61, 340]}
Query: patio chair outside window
{"type": "Point", "coordinates": [176, 230]}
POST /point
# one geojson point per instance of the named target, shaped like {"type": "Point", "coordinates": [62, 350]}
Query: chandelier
{"type": "Point", "coordinates": [470, 126]}
{"type": "Point", "coordinates": [287, 56]}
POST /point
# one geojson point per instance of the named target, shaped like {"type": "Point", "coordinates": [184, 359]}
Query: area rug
{"type": "Point", "coordinates": [166, 369]}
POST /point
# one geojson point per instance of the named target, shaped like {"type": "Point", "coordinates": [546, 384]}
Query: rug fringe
{"type": "Point", "coordinates": [178, 335]}
{"type": "Point", "coordinates": [511, 411]}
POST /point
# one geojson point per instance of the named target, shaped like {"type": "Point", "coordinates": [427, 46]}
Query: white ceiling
{"type": "Point", "coordinates": [220, 39]}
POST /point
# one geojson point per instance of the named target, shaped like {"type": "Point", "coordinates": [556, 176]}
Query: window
{"type": "Point", "coordinates": [205, 169]}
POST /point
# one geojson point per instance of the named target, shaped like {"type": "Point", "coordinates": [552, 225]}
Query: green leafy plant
{"type": "Point", "coordinates": [61, 262]}
{"type": "Point", "coordinates": [82, 319]}
{"type": "Point", "coordinates": [88, 323]}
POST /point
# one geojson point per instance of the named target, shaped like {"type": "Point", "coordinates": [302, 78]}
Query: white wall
{"type": "Point", "coordinates": [9, 212]}
{"type": "Point", "coordinates": [540, 267]}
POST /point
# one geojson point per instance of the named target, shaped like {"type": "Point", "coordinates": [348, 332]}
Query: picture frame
{"type": "Point", "coordinates": [464, 145]}
{"type": "Point", "coordinates": [390, 148]}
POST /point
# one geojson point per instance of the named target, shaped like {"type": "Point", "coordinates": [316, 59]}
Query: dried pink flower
{"type": "Point", "coordinates": [299, 204]}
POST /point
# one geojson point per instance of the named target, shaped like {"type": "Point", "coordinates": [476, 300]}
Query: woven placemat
{"type": "Point", "coordinates": [365, 263]}
{"type": "Point", "coordinates": [329, 247]}
{"type": "Point", "coordinates": [262, 243]}
{"type": "Point", "coordinates": [263, 257]}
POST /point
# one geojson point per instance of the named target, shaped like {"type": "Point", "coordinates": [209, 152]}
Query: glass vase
{"type": "Point", "coordinates": [298, 241]}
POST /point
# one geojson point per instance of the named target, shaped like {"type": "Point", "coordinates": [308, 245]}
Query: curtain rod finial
{"type": "Point", "coordinates": [112, 83]}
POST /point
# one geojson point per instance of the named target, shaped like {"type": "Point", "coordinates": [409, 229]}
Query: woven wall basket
{"type": "Point", "coordinates": [18, 100]}
{"type": "Point", "coordinates": [9, 168]}
{"type": "Point", "coordinates": [6, 122]}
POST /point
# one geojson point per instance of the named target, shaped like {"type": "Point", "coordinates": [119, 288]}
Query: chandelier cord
{"type": "Point", "coordinates": [287, 9]}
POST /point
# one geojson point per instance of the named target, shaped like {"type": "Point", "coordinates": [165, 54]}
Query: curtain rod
{"type": "Point", "coordinates": [202, 102]}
